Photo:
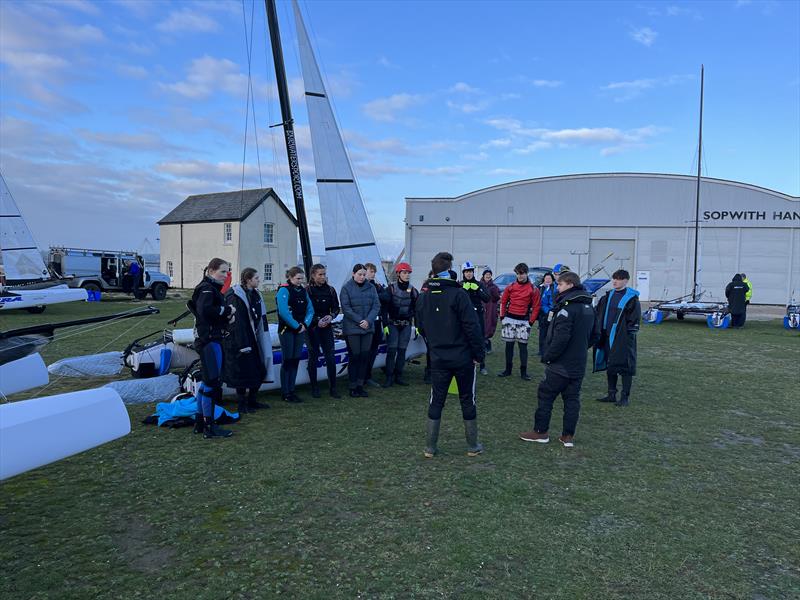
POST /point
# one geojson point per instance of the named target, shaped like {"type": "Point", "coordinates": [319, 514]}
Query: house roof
{"type": "Point", "coordinates": [223, 206]}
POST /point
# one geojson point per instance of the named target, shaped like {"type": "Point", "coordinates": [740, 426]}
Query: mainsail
{"type": "Point", "coordinates": [20, 255]}
{"type": "Point", "coordinates": [345, 225]}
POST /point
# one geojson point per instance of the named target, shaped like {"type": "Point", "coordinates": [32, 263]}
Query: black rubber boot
{"type": "Point", "coordinates": [198, 423]}
{"type": "Point", "coordinates": [241, 404]}
{"type": "Point", "coordinates": [523, 372]}
{"type": "Point", "coordinates": [624, 400]}
{"type": "Point", "coordinates": [334, 393]}
{"type": "Point", "coordinates": [474, 448]}
{"type": "Point", "coordinates": [611, 396]}
{"type": "Point", "coordinates": [507, 372]}
{"type": "Point", "coordinates": [432, 437]}
{"type": "Point", "coordinates": [315, 391]}
{"type": "Point", "coordinates": [389, 380]}
{"type": "Point", "coordinates": [211, 430]}
{"type": "Point", "coordinates": [400, 362]}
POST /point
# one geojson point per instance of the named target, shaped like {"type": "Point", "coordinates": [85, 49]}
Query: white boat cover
{"type": "Point", "coordinates": [141, 391]}
{"type": "Point", "coordinates": [23, 374]}
{"type": "Point", "coordinates": [91, 365]}
{"type": "Point", "coordinates": [37, 432]}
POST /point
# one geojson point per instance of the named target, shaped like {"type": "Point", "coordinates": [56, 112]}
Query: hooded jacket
{"type": "Point", "coordinates": [572, 331]}
{"type": "Point", "coordinates": [618, 316]}
{"type": "Point", "coordinates": [209, 310]}
{"type": "Point", "coordinates": [248, 347]}
{"type": "Point", "coordinates": [453, 334]}
{"type": "Point", "coordinates": [736, 293]}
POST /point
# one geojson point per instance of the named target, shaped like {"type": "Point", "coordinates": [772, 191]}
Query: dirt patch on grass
{"type": "Point", "coordinates": [137, 549]}
{"type": "Point", "coordinates": [731, 438]}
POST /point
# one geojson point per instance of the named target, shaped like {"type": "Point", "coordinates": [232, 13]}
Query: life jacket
{"type": "Point", "coordinates": [322, 298]}
{"type": "Point", "coordinates": [402, 302]}
{"type": "Point", "coordinates": [298, 305]}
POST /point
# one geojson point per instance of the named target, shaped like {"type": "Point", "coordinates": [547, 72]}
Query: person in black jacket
{"type": "Point", "coordinates": [398, 304]}
{"type": "Point", "coordinates": [571, 333]}
{"type": "Point", "coordinates": [247, 348]}
{"type": "Point", "coordinates": [477, 295]}
{"type": "Point", "coordinates": [618, 314]}
{"type": "Point", "coordinates": [455, 340]}
{"type": "Point", "coordinates": [736, 293]}
{"type": "Point", "coordinates": [320, 333]}
{"type": "Point", "coordinates": [211, 319]}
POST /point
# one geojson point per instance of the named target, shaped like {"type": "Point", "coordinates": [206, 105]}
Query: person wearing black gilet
{"type": "Point", "coordinates": [319, 337]}
{"type": "Point", "coordinates": [398, 302]}
{"type": "Point", "coordinates": [211, 318]}
{"type": "Point", "coordinates": [295, 312]}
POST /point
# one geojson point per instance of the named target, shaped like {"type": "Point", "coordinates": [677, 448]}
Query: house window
{"type": "Point", "coordinates": [227, 236]}
{"type": "Point", "coordinates": [269, 233]}
{"type": "Point", "coordinates": [268, 273]}
{"type": "Point", "coordinates": [169, 268]}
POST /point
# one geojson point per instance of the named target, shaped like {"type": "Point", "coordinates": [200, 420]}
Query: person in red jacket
{"type": "Point", "coordinates": [519, 308]}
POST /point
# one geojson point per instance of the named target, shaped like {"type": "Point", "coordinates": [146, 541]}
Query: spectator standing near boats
{"type": "Point", "coordinates": [377, 330]}
{"type": "Point", "coordinates": [360, 307]}
{"type": "Point", "coordinates": [489, 310]}
{"type": "Point", "coordinates": [477, 295]}
{"type": "Point", "coordinates": [398, 303]}
{"type": "Point", "coordinates": [319, 337]}
{"type": "Point", "coordinates": [519, 308]}
{"type": "Point", "coordinates": [547, 291]}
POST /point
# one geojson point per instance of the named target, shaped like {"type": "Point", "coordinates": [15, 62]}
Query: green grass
{"type": "Point", "coordinates": [692, 492]}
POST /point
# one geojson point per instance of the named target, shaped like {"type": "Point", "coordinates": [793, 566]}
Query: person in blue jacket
{"type": "Point", "coordinates": [548, 291]}
{"type": "Point", "coordinates": [295, 313]}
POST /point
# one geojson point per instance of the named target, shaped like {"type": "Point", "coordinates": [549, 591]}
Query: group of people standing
{"type": "Point", "coordinates": [457, 319]}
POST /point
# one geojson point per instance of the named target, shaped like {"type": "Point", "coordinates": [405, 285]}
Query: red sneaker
{"type": "Point", "coordinates": [567, 440]}
{"type": "Point", "coordinates": [535, 436]}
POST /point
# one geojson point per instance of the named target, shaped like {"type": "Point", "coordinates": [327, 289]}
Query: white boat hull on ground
{"type": "Point", "coordinates": [23, 374]}
{"type": "Point", "coordinates": [38, 432]}
{"type": "Point", "coordinates": [11, 299]}
{"type": "Point", "coordinates": [416, 348]}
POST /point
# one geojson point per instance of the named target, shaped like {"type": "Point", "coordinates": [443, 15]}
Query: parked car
{"type": "Point", "coordinates": [535, 274]}
{"type": "Point", "coordinates": [107, 271]}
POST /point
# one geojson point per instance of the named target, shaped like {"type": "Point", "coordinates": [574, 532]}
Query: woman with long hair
{"type": "Point", "coordinates": [211, 319]}
{"type": "Point", "coordinates": [360, 306]}
{"type": "Point", "coordinates": [248, 349]}
{"type": "Point", "coordinates": [489, 310]}
{"type": "Point", "coordinates": [295, 313]}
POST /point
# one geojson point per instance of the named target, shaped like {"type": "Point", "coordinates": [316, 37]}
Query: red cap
{"type": "Point", "coordinates": [404, 266]}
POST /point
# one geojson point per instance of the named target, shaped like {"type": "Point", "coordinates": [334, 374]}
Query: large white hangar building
{"type": "Point", "coordinates": [646, 220]}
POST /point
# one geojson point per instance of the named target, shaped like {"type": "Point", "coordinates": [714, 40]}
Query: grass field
{"type": "Point", "coordinates": [692, 492]}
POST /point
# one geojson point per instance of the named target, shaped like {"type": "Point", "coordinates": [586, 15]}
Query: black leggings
{"type": "Point", "coordinates": [359, 348]}
{"type": "Point", "coordinates": [627, 382]}
{"type": "Point", "coordinates": [523, 355]}
{"type": "Point", "coordinates": [250, 393]}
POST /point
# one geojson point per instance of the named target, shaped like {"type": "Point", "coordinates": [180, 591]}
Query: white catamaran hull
{"type": "Point", "coordinates": [38, 432]}
{"type": "Point", "coordinates": [152, 358]}
{"type": "Point", "coordinates": [23, 374]}
{"type": "Point", "coordinates": [11, 299]}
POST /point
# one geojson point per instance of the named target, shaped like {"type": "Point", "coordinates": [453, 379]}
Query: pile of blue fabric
{"type": "Point", "coordinates": [181, 411]}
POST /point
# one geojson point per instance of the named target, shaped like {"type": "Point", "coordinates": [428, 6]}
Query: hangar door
{"type": "Point", "coordinates": [623, 258]}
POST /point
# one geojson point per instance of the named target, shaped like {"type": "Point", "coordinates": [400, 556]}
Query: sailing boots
{"type": "Point", "coordinates": [212, 431]}
{"type": "Point", "coordinates": [610, 397]}
{"type": "Point", "coordinates": [241, 404]}
{"type": "Point", "coordinates": [432, 437]}
{"type": "Point", "coordinates": [523, 373]}
{"type": "Point", "coordinates": [198, 423]}
{"type": "Point", "coordinates": [474, 448]}
{"type": "Point", "coordinates": [623, 401]}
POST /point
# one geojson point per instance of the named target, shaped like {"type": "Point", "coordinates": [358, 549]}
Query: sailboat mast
{"type": "Point", "coordinates": [288, 130]}
{"type": "Point", "coordinates": [697, 195]}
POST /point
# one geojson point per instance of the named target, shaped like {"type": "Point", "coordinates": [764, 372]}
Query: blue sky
{"type": "Point", "coordinates": [112, 112]}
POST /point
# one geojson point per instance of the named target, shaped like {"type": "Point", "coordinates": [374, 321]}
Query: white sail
{"type": "Point", "coordinates": [345, 225]}
{"type": "Point", "coordinates": [20, 255]}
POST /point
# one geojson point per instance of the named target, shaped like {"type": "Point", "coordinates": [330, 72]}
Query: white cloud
{"type": "Point", "coordinates": [201, 168]}
{"type": "Point", "coordinates": [547, 83]}
{"type": "Point", "coordinates": [387, 109]}
{"type": "Point", "coordinates": [480, 156]}
{"type": "Point", "coordinates": [468, 107]}
{"type": "Point", "coordinates": [83, 6]}
{"type": "Point", "coordinates": [504, 171]}
{"type": "Point", "coordinates": [644, 36]}
{"type": "Point", "coordinates": [464, 88]}
{"type": "Point", "coordinates": [386, 63]}
{"type": "Point", "coordinates": [39, 63]}
{"type": "Point", "coordinates": [628, 90]}
{"type": "Point", "coordinates": [497, 143]}
{"type": "Point", "coordinates": [127, 141]}
{"type": "Point", "coordinates": [185, 20]}
{"type": "Point", "coordinates": [448, 170]}
{"type": "Point", "coordinates": [533, 147]}
{"type": "Point", "coordinates": [206, 75]}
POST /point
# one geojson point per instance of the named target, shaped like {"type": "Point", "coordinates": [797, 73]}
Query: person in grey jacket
{"type": "Point", "coordinates": [360, 307]}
